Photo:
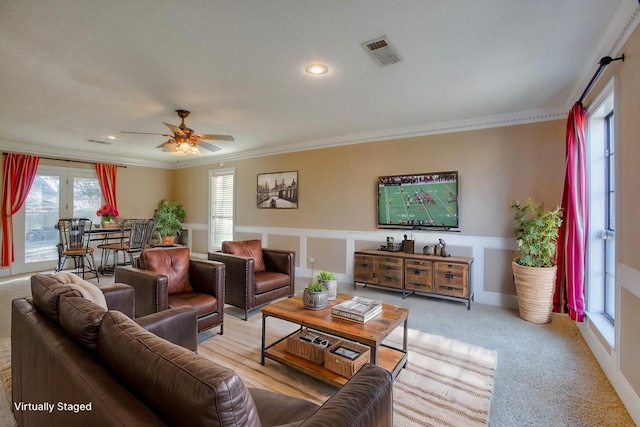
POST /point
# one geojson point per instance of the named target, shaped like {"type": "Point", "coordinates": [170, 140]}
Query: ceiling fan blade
{"type": "Point", "coordinates": [175, 129]}
{"type": "Point", "coordinates": [217, 137]}
{"type": "Point", "coordinates": [147, 133]}
{"type": "Point", "coordinates": [207, 146]}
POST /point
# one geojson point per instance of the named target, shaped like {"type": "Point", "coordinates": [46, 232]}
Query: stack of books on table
{"type": "Point", "coordinates": [359, 309]}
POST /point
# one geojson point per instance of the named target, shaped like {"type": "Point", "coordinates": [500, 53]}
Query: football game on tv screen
{"type": "Point", "coordinates": [418, 200]}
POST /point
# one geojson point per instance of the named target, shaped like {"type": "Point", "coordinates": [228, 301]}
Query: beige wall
{"type": "Point", "coordinates": [140, 189]}
{"type": "Point", "coordinates": [337, 186]}
{"type": "Point", "coordinates": [338, 197]}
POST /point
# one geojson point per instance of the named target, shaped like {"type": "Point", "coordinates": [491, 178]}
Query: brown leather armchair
{"type": "Point", "coordinates": [255, 276]}
{"type": "Point", "coordinates": [168, 277]}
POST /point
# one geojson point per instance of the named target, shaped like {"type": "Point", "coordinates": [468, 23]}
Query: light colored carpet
{"type": "Point", "coordinates": [539, 368]}
{"type": "Point", "coordinates": [446, 382]}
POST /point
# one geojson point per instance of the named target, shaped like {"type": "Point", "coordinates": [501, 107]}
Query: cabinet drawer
{"type": "Point", "coordinates": [418, 275]}
{"type": "Point", "coordinates": [364, 276]}
{"type": "Point", "coordinates": [391, 277]}
{"type": "Point", "coordinates": [388, 262]}
{"type": "Point", "coordinates": [451, 279]}
{"type": "Point", "coordinates": [364, 263]}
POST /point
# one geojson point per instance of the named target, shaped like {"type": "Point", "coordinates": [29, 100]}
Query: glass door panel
{"type": "Point", "coordinates": [42, 210]}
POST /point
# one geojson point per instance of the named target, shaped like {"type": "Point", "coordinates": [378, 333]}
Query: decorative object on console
{"type": "Point", "coordinates": [534, 269]}
{"type": "Point", "coordinates": [328, 279]}
{"type": "Point", "coordinates": [358, 308]}
{"type": "Point", "coordinates": [408, 245]}
{"type": "Point", "coordinates": [441, 249]}
{"type": "Point", "coordinates": [169, 216]}
{"type": "Point", "coordinates": [315, 296]}
{"type": "Point", "coordinates": [277, 190]}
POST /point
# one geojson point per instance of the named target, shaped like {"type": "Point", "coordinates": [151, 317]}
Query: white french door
{"type": "Point", "coordinates": [56, 193]}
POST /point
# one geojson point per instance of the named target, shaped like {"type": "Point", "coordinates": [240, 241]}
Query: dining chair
{"type": "Point", "coordinates": [74, 243]}
{"type": "Point", "coordinates": [135, 236]}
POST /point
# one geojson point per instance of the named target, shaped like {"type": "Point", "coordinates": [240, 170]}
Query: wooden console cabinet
{"type": "Point", "coordinates": [416, 273]}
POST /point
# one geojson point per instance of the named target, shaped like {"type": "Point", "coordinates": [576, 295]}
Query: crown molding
{"type": "Point", "coordinates": [624, 21]}
{"type": "Point", "coordinates": [67, 155]}
{"type": "Point", "coordinates": [517, 118]}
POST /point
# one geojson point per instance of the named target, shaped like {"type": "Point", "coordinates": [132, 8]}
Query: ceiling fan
{"type": "Point", "coordinates": [184, 141]}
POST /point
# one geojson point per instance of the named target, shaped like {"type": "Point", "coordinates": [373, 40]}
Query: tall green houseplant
{"type": "Point", "coordinates": [169, 217]}
{"type": "Point", "coordinates": [536, 232]}
{"type": "Point", "coordinates": [534, 270]}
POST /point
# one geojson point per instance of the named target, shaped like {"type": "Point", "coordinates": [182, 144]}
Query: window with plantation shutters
{"type": "Point", "coordinates": [221, 191]}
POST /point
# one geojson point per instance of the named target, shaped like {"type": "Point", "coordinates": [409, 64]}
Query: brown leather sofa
{"type": "Point", "coordinates": [255, 276]}
{"type": "Point", "coordinates": [100, 368]}
{"type": "Point", "coordinates": [168, 278]}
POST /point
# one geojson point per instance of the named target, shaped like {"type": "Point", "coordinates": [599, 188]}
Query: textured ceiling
{"type": "Point", "coordinates": [78, 70]}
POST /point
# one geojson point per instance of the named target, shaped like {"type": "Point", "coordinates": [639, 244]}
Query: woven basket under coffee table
{"type": "Point", "coordinates": [306, 350]}
{"type": "Point", "coordinates": [343, 365]}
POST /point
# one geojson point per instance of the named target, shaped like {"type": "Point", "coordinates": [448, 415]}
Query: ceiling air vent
{"type": "Point", "coordinates": [382, 51]}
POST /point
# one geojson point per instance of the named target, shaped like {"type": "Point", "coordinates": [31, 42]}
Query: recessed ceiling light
{"type": "Point", "coordinates": [316, 69]}
{"type": "Point", "coordinates": [112, 137]}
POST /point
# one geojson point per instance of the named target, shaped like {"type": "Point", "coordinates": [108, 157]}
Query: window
{"type": "Point", "coordinates": [55, 193]}
{"type": "Point", "coordinates": [610, 219]}
{"type": "Point", "coordinates": [601, 262]}
{"type": "Point", "coordinates": [221, 199]}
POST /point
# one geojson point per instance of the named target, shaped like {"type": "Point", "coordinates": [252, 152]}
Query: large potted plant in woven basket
{"type": "Point", "coordinates": [534, 269]}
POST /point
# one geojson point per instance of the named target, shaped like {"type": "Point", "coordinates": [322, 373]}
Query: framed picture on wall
{"type": "Point", "coordinates": [277, 190]}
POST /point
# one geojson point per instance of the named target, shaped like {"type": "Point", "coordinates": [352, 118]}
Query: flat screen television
{"type": "Point", "coordinates": [418, 201]}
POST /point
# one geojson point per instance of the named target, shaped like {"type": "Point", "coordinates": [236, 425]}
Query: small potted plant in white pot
{"type": "Point", "coordinates": [315, 296]}
{"type": "Point", "coordinates": [534, 269]}
{"type": "Point", "coordinates": [329, 280]}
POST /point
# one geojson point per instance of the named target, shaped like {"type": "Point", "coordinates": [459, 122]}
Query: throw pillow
{"type": "Point", "coordinates": [87, 289]}
{"type": "Point", "coordinates": [248, 248]}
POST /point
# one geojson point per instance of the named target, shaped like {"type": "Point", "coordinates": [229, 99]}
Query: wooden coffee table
{"type": "Point", "coordinates": [371, 334]}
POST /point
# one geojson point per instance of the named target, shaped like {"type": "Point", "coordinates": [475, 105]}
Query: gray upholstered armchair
{"type": "Point", "coordinates": [255, 276]}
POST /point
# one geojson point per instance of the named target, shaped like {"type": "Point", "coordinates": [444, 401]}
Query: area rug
{"type": "Point", "coordinates": [445, 382]}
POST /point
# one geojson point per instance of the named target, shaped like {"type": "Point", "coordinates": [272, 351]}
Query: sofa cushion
{"type": "Point", "coordinates": [87, 289]}
{"type": "Point", "coordinates": [80, 320]}
{"type": "Point", "coordinates": [247, 248]}
{"type": "Point", "coordinates": [204, 303]}
{"type": "Point", "coordinates": [268, 280]}
{"type": "Point", "coordinates": [291, 411]}
{"type": "Point", "coordinates": [154, 369]}
{"type": "Point", "coordinates": [46, 292]}
{"type": "Point", "coordinates": [170, 262]}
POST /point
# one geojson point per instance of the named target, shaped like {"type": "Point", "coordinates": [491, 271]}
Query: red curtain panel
{"type": "Point", "coordinates": [18, 175]}
{"type": "Point", "coordinates": [572, 241]}
{"type": "Point", "coordinates": [107, 180]}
